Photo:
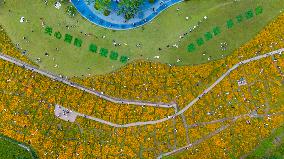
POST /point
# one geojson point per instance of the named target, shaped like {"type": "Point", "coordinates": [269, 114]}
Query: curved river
{"type": "Point", "coordinates": [117, 22]}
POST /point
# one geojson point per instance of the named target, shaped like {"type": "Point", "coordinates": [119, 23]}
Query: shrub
{"type": "Point", "coordinates": [97, 6]}
{"type": "Point", "coordinates": [106, 12]}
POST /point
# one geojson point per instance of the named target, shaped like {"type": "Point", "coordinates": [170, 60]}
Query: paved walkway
{"type": "Point", "coordinates": [193, 101]}
{"type": "Point", "coordinates": [80, 87]}
{"type": "Point", "coordinates": [192, 144]}
{"type": "Point", "coordinates": [177, 113]}
{"type": "Point", "coordinates": [197, 142]}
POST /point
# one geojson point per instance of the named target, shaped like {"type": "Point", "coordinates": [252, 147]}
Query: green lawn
{"type": "Point", "coordinates": [162, 31]}
{"type": "Point", "coordinates": [10, 149]}
{"type": "Point", "coordinates": [270, 148]}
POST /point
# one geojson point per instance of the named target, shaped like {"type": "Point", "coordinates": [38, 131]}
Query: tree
{"type": "Point", "coordinates": [102, 5]}
{"type": "Point", "coordinates": [71, 10]}
{"type": "Point", "coordinates": [129, 8]}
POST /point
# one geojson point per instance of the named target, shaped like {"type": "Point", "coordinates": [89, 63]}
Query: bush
{"type": "Point", "coordinates": [97, 6]}
{"type": "Point", "coordinates": [106, 12]}
{"type": "Point", "coordinates": [102, 5]}
{"type": "Point", "coordinates": [129, 8]}
{"type": "Point", "coordinates": [71, 10]}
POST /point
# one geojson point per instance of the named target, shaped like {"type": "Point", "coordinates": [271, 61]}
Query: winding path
{"type": "Point", "coordinates": [80, 87]}
{"type": "Point", "coordinates": [121, 101]}
{"type": "Point", "coordinates": [192, 102]}
{"type": "Point", "coordinates": [177, 113]}
{"type": "Point", "coordinates": [197, 142]}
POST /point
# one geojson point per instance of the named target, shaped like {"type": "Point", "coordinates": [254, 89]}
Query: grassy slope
{"type": "Point", "coordinates": [10, 150]}
{"type": "Point", "coordinates": [164, 30]}
{"type": "Point", "coordinates": [268, 148]}
{"type": "Point", "coordinates": [239, 35]}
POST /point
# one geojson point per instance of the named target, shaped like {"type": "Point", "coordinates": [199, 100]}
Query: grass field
{"type": "Point", "coordinates": [162, 31]}
{"type": "Point", "coordinates": [10, 149]}
{"type": "Point", "coordinates": [272, 147]}
{"type": "Point", "coordinates": [87, 139]}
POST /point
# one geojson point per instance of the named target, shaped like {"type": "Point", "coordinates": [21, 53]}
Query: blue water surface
{"type": "Point", "coordinates": [117, 22]}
